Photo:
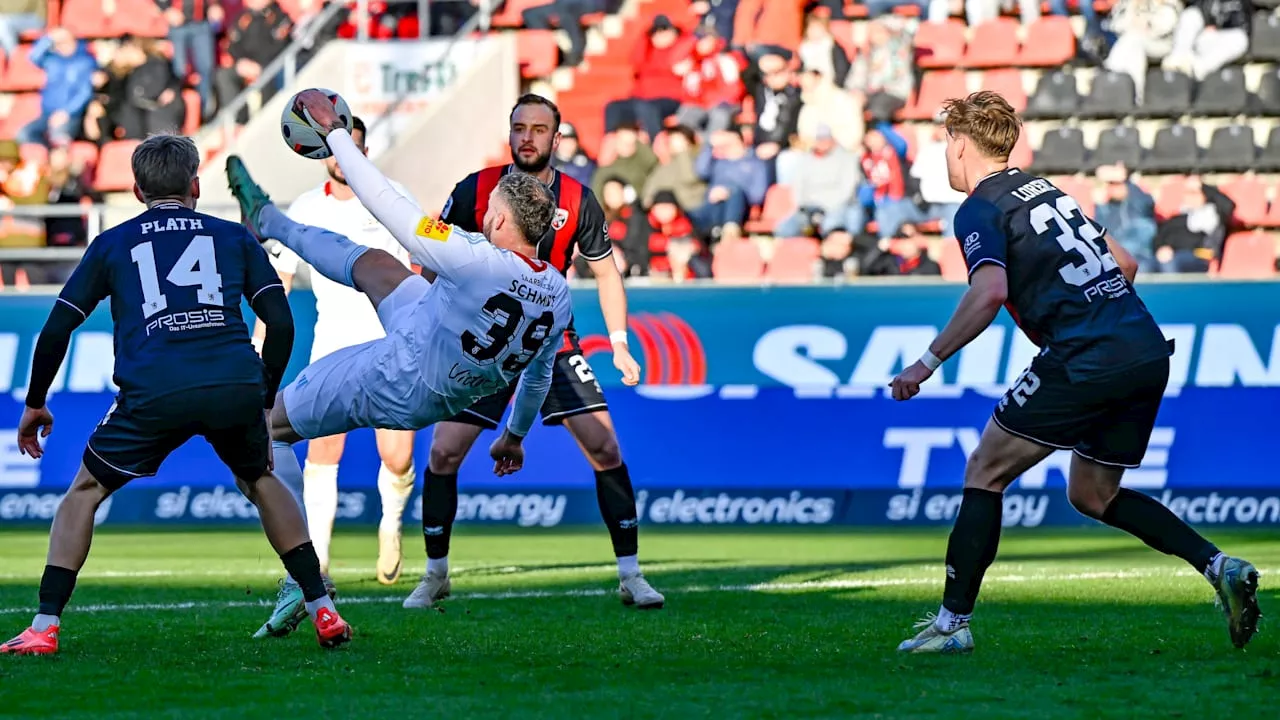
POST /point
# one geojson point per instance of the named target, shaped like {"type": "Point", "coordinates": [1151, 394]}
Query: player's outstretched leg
{"type": "Point", "coordinates": [999, 458]}
{"type": "Point", "coordinates": [69, 541]}
{"type": "Point", "coordinates": [1094, 490]}
{"type": "Point", "coordinates": [395, 484]}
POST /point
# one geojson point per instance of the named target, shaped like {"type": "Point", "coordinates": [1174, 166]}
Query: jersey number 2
{"type": "Point", "coordinates": [1084, 240]}
{"type": "Point", "coordinates": [197, 266]}
{"type": "Point", "coordinates": [508, 314]}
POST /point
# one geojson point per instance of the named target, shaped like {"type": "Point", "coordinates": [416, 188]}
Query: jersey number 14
{"type": "Point", "coordinates": [1085, 240]}
{"type": "Point", "coordinates": [196, 267]}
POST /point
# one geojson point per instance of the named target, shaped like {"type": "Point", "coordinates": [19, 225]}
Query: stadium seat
{"type": "Point", "coordinates": [114, 167]}
{"type": "Point", "coordinates": [1061, 152]}
{"type": "Point", "coordinates": [20, 74]}
{"type": "Point", "coordinates": [1269, 159]}
{"type": "Point", "coordinates": [1080, 189]}
{"type": "Point", "coordinates": [1021, 157]}
{"type": "Point", "coordinates": [1167, 95]}
{"type": "Point", "coordinates": [1231, 149]}
{"type": "Point", "coordinates": [794, 260]}
{"type": "Point", "coordinates": [994, 44]}
{"type": "Point", "coordinates": [1267, 101]}
{"type": "Point", "coordinates": [939, 45]}
{"type": "Point", "coordinates": [538, 52]}
{"type": "Point", "coordinates": [84, 152]}
{"type": "Point", "coordinates": [951, 261]}
{"type": "Point", "coordinates": [86, 18]}
{"type": "Point", "coordinates": [936, 88]}
{"type": "Point", "coordinates": [1111, 96]}
{"type": "Point", "coordinates": [1174, 151]}
{"type": "Point", "coordinates": [779, 203]}
{"type": "Point", "coordinates": [1050, 42]}
{"type": "Point", "coordinates": [33, 152]}
{"type": "Point", "coordinates": [1007, 82]}
{"type": "Point", "coordinates": [1056, 96]}
{"type": "Point", "coordinates": [737, 261]}
{"type": "Point", "coordinates": [1222, 93]}
{"type": "Point", "coordinates": [1169, 197]}
{"type": "Point", "coordinates": [1250, 197]}
{"type": "Point", "coordinates": [1264, 44]}
{"type": "Point", "coordinates": [191, 123]}
{"type": "Point", "coordinates": [512, 13]}
{"type": "Point", "coordinates": [1248, 255]}
{"type": "Point", "coordinates": [25, 108]}
{"type": "Point", "coordinates": [1272, 220]}
{"type": "Point", "coordinates": [1119, 144]}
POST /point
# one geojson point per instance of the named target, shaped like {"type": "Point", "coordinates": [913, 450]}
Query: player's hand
{"type": "Point", "coordinates": [35, 424]}
{"type": "Point", "coordinates": [907, 384]}
{"type": "Point", "coordinates": [507, 453]}
{"type": "Point", "coordinates": [626, 364]}
{"type": "Point", "coordinates": [320, 108]}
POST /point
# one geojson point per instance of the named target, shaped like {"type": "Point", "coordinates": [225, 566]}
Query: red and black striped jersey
{"type": "Point", "coordinates": [578, 224]}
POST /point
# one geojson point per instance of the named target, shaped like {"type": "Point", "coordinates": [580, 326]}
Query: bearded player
{"type": "Point", "coordinates": [575, 400]}
{"type": "Point", "coordinates": [344, 318]}
{"type": "Point", "coordinates": [1094, 388]}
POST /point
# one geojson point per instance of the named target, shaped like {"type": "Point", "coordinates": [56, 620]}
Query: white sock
{"type": "Point", "coordinates": [43, 622]}
{"type": "Point", "coordinates": [948, 621]}
{"type": "Point", "coordinates": [395, 491]}
{"type": "Point", "coordinates": [324, 602]}
{"type": "Point", "coordinates": [1214, 569]}
{"type": "Point", "coordinates": [438, 566]}
{"type": "Point", "coordinates": [289, 471]}
{"type": "Point", "coordinates": [320, 495]}
{"type": "Point", "coordinates": [628, 565]}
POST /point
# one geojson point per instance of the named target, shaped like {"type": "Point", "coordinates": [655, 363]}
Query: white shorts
{"type": "Point", "coordinates": [374, 384]}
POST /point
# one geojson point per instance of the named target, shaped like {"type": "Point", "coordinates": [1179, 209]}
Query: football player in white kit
{"type": "Point", "coordinates": [345, 318]}
{"type": "Point", "coordinates": [493, 315]}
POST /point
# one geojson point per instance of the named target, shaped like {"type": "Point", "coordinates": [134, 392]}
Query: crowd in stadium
{"type": "Point", "coordinates": [749, 120]}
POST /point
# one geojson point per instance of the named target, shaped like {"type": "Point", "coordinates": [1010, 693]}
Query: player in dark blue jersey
{"type": "Point", "coordinates": [1094, 388]}
{"type": "Point", "coordinates": [185, 366]}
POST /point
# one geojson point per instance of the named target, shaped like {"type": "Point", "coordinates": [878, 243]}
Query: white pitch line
{"type": "Point", "coordinates": [851, 584]}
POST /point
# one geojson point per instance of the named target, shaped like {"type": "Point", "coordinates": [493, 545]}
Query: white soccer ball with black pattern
{"type": "Point", "coordinates": [301, 133]}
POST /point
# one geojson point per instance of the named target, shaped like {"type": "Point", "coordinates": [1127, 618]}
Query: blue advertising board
{"type": "Point", "coordinates": [761, 405]}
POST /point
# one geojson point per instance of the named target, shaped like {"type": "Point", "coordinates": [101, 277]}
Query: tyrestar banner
{"type": "Point", "coordinates": [762, 406]}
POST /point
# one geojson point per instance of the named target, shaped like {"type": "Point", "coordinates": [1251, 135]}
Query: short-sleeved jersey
{"type": "Point", "coordinates": [578, 224]}
{"type": "Point", "coordinates": [176, 279]}
{"type": "Point", "coordinates": [1066, 291]}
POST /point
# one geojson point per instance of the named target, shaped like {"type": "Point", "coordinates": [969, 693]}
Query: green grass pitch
{"type": "Point", "coordinates": [765, 624]}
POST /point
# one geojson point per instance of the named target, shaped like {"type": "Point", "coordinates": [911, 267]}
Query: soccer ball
{"type": "Point", "coordinates": [302, 135]}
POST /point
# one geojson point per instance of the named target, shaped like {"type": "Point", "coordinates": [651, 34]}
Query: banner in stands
{"type": "Point", "coordinates": [761, 406]}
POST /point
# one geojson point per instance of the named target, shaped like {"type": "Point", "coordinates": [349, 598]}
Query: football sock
{"type": "Point", "coordinates": [56, 586]}
{"type": "Point", "coordinates": [438, 566]}
{"type": "Point", "coordinates": [948, 621]}
{"type": "Point", "coordinates": [1214, 571]}
{"type": "Point", "coordinates": [320, 492]}
{"type": "Point", "coordinates": [971, 548]}
{"type": "Point", "coordinates": [321, 603]}
{"type": "Point", "coordinates": [1154, 524]}
{"type": "Point", "coordinates": [439, 508]}
{"type": "Point", "coordinates": [628, 565]}
{"type": "Point", "coordinates": [302, 564]}
{"type": "Point", "coordinates": [43, 622]}
{"type": "Point", "coordinates": [288, 471]}
{"type": "Point", "coordinates": [618, 508]}
{"type": "Point", "coordinates": [394, 490]}
{"type": "Point", "coordinates": [331, 254]}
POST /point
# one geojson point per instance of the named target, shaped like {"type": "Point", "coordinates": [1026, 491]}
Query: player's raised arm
{"type": "Point", "coordinates": [531, 393]}
{"type": "Point", "coordinates": [596, 248]}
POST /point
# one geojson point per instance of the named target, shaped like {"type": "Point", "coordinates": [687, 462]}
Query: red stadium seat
{"type": "Point", "coordinates": [512, 14]}
{"type": "Point", "coordinates": [115, 171]}
{"type": "Point", "coordinates": [409, 27]}
{"type": "Point", "coordinates": [21, 74]}
{"type": "Point", "coordinates": [1007, 82]}
{"type": "Point", "coordinates": [1170, 196]}
{"type": "Point", "coordinates": [778, 204]}
{"type": "Point", "coordinates": [794, 260]}
{"type": "Point", "coordinates": [86, 19]}
{"type": "Point", "coordinates": [538, 52]}
{"type": "Point", "coordinates": [994, 44]}
{"type": "Point", "coordinates": [935, 88]}
{"type": "Point", "coordinates": [737, 261]}
{"type": "Point", "coordinates": [26, 107]}
{"type": "Point", "coordinates": [939, 45]}
{"type": "Point", "coordinates": [1050, 42]}
{"type": "Point", "coordinates": [1079, 188]}
{"type": "Point", "coordinates": [1272, 219]}
{"type": "Point", "coordinates": [1250, 197]}
{"type": "Point", "coordinates": [84, 152]}
{"type": "Point", "coordinates": [34, 153]}
{"type": "Point", "coordinates": [1021, 156]}
{"type": "Point", "coordinates": [1249, 255]}
{"type": "Point", "coordinates": [191, 123]}
{"type": "Point", "coordinates": [952, 261]}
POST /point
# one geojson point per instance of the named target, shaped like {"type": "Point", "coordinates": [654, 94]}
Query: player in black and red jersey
{"type": "Point", "coordinates": [575, 400]}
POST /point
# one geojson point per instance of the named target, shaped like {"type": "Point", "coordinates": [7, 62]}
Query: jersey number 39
{"type": "Point", "coordinates": [1084, 240]}
{"type": "Point", "coordinates": [508, 319]}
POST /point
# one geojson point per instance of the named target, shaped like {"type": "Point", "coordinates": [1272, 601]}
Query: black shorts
{"type": "Point", "coordinates": [135, 438]}
{"type": "Point", "coordinates": [1108, 420]}
{"type": "Point", "coordinates": [574, 391]}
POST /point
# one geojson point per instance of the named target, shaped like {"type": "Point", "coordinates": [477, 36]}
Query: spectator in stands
{"type": "Point", "coordinates": [17, 17]}
{"type": "Point", "coordinates": [763, 26]}
{"type": "Point", "coordinates": [679, 175]}
{"type": "Point", "coordinates": [628, 227]}
{"type": "Point", "coordinates": [657, 89]}
{"type": "Point", "coordinates": [884, 75]}
{"type": "Point", "coordinates": [820, 52]}
{"type": "Point", "coordinates": [825, 188]}
{"type": "Point", "coordinates": [1094, 41]}
{"type": "Point", "coordinates": [1144, 32]}
{"type": "Point", "coordinates": [674, 248]}
{"type": "Point", "coordinates": [1211, 34]}
{"type": "Point", "coordinates": [567, 15]}
{"type": "Point", "coordinates": [1128, 213]}
{"type": "Point", "coordinates": [823, 104]}
{"type": "Point", "coordinates": [571, 159]}
{"type": "Point", "coordinates": [23, 181]}
{"type": "Point", "coordinates": [256, 36]}
{"type": "Point", "coordinates": [108, 97]}
{"type": "Point", "coordinates": [736, 179]}
{"type": "Point", "coordinates": [777, 102]}
{"type": "Point", "coordinates": [68, 69]}
{"type": "Point", "coordinates": [68, 185]}
{"type": "Point", "coordinates": [151, 101]}
{"type": "Point", "coordinates": [1186, 243]}
{"type": "Point", "coordinates": [883, 168]}
{"type": "Point", "coordinates": [718, 14]}
{"type": "Point", "coordinates": [633, 164]}
{"type": "Point", "coordinates": [312, 38]}
{"type": "Point", "coordinates": [192, 26]}
{"type": "Point", "coordinates": [930, 171]}
{"type": "Point", "coordinates": [712, 76]}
